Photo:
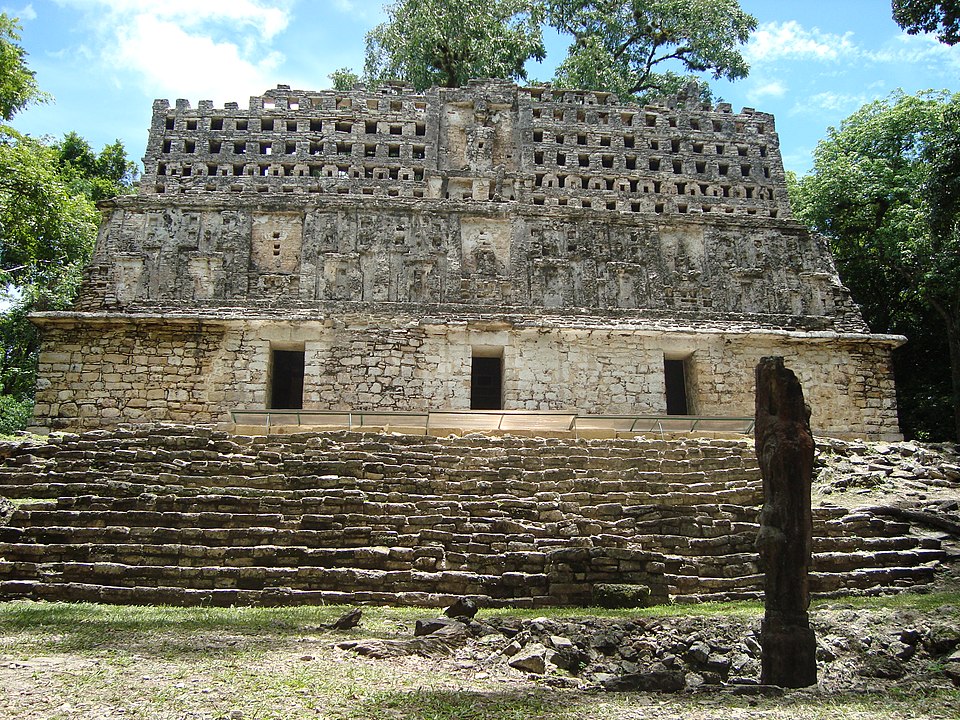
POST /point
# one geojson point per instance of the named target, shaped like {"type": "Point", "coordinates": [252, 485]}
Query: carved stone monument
{"type": "Point", "coordinates": [785, 450]}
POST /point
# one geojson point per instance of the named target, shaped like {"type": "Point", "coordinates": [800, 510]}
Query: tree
{"type": "Point", "coordinates": [927, 16]}
{"type": "Point", "coordinates": [884, 189]}
{"type": "Point", "coordinates": [18, 84]}
{"type": "Point", "coordinates": [48, 224]}
{"type": "Point", "coordinates": [45, 226]}
{"type": "Point", "coordinates": [448, 42]}
{"type": "Point", "coordinates": [628, 47]}
{"type": "Point", "coordinates": [937, 259]}
{"type": "Point", "coordinates": [97, 176]}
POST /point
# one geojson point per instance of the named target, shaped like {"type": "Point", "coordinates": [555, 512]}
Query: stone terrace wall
{"type": "Point", "coordinates": [186, 515]}
{"type": "Point", "coordinates": [111, 370]}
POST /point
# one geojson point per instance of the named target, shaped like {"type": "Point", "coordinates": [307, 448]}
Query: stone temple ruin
{"type": "Point", "coordinates": [490, 247]}
{"type": "Point", "coordinates": [568, 265]}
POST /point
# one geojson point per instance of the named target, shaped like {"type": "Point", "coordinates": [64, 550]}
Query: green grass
{"type": "Point", "coordinates": [902, 601]}
{"type": "Point", "coordinates": [98, 620]}
{"type": "Point", "coordinates": [162, 662]}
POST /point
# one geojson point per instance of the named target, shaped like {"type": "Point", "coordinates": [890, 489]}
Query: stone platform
{"type": "Point", "coordinates": [191, 515]}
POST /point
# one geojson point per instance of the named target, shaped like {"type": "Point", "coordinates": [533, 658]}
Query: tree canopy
{"type": "Point", "coordinates": [628, 47]}
{"type": "Point", "coordinates": [48, 223]}
{"type": "Point", "coordinates": [885, 189]}
{"type": "Point", "coordinates": [427, 43]}
{"type": "Point", "coordinates": [929, 16]}
{"type": "Point", "coordinates": [18, 84]}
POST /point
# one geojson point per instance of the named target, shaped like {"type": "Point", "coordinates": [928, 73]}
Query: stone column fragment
{"type": "Point", "coordinates": [785, 449]}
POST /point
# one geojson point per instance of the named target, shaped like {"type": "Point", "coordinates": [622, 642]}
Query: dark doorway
{"type": "Point", "coordinates": [286, 383]}
{"type": "Point", "coordinates": [486, 383]}
{"type": "Point", "coordinates": [674, 374]}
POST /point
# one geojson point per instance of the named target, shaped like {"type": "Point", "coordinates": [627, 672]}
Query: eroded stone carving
{"type": "Point", "coordinates": [785, 449]}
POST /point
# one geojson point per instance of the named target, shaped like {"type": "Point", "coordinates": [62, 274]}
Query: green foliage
{"type": "Point", "coordinates": [927, 16]}
{"type": "Point", "coordinates": [95, 176]}
{"type": "Point", "coordinates": [48, 224]}
{"type": "Point", "coordinates": [15, 413]}
{"type": "Point", "coordinates": [45, 226]}
{"type": "Point", "coordinates": [448, 42]}
{"type": "Point", "coordinates": [344, 79]}
{"type": "Point", "coordinates": [884, 189]}
{"type": "Point", "coordinates": [18, 84]}
{"type": "Point", "coordinates": [18, 353]}
{"type": "Point", "coordinates": [629, 47]}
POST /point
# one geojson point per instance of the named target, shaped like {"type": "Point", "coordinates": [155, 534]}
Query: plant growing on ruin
{"type": "Point", "coordinates": [634, 48]}
{"type": "Point", "coordinates": [449, 42]}
{"type": "Point", "coordinates": [344, 79]}
{"type": "Point", "coordinates": [885, 189]}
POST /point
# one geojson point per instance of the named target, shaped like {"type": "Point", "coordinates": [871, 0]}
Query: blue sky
{"type": "Point", "coordinates": [813, 62]}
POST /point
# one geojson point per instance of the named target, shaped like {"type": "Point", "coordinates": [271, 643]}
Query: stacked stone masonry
{"type": "Point", "coordinates": [393, 237]}
{"type": "Point", "coordinates": [189, 515]}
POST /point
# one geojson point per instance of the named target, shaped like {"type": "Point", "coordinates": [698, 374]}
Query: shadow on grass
{"type": "Point", "coordinates": [547, 704]}
{"type": "Point", "coordinates": [168, 631]}
{"type": "Point", "coordinates": [464, 705]}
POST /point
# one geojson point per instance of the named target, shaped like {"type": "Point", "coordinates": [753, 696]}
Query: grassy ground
{"type": "Point", "coordinates": [89, 661]}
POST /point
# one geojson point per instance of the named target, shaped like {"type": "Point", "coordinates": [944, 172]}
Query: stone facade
{"type": "Point", "coordinates": [389, 239]}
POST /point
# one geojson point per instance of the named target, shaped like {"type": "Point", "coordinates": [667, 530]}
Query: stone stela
{"type": "Point", "coordinates": [487, 247]}
{"type": "Point", "coordinates": [785, 449]}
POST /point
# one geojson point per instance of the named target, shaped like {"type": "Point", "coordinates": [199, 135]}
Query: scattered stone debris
{"type": "Point", "coordinates": [858, 650]}
{"type": "Point", "coordinates": [439, 641]}
{"type": "Point", "coordinates": [910, 472]}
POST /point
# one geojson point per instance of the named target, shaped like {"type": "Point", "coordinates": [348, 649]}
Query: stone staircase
{"type": "Point", "coordinates": [191, 515]}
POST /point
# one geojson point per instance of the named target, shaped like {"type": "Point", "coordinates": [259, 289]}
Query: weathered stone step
{"type": "Point", "coordinates": [874, 580]}
{"type": "Point", "coordinates": [837, 562]}
{"type": "Point", "coordinates": [101, 518]}
{"type": "Point", "coordinates": [368, 558]}
{"type": "Point", "coordinates": [271, 597]}
{"type": "Point", "coordinates": [210, 577]}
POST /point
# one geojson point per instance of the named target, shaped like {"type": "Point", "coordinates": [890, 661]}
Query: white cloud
{"type": "Point", "coordinates": [269, 17]}
{"type": "Point", "coordinates": [776, 40]}
{"type": "Point", "coordinates": [774, 88]}
{"type": "Point", "coordinates": [194, 66]}
{"type": "Point", "coordinates": [830, 102]}
{"type": "Point", "coordinates": [920, 50]}
{"type": "Point", "coordinates": [216, 50]}
{"type": "Point", "coordinates": [24, 14]}
{"type": "Point", "coordinates": [367, 10]}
